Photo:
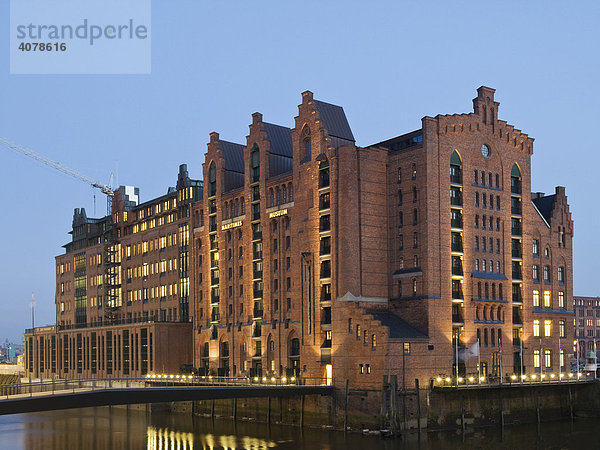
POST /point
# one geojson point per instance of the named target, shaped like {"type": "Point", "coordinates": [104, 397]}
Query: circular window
{"type": "Point", "coordinates": [485, 151]}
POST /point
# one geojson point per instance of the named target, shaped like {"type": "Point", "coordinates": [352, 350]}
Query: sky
{"type": "Point", "coordinates": [388, 63]}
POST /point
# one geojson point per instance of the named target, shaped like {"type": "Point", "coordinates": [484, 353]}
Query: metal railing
{"type": "Point", "coordinates": [154, 381]}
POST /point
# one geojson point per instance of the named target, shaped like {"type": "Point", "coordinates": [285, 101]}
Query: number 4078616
{"type": "Point", "coordinates": [42, 47]}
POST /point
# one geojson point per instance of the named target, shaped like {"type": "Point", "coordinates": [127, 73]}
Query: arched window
{"type": "Point", "coordinates": [515, 179]}
{"type": "Point", "coordinates": [255, 164]}
{"type": "Point", "coordinates": [295, 347]}
{"type": "Point", "coordinates": [305, 144]}
{"type": "Point", "coordinates": [284, 190]}
{"type": "Point", "coordinates": [278, 195]}
{"type": "Point", "coordinates": [226, 212]}
{"type": "Point", "coordinates": [455, 168]}
{"type": "Point", "coordinates": [493, 337]}
{"type": "Point", "coordinates": [291, 192]}
{"type": "Point", "coordinates": [324, 174]}
{"type": "Point", "coordinates": [271, 197]}
{"type": "Point", "coordinates": [212, 180]}
{"type": "Point", "coordinates": [242, 207]}
{"type": "Point", "coordinates": [485, 337]}
{"type": "Point", "coordinates": [237, 207]}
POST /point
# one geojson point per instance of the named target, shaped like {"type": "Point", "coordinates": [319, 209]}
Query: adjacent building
{"type": "Point", "coordinates": [304, 254]}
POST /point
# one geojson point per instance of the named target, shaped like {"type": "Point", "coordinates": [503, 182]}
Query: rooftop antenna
{"type": "Point", "coordinates": [32, 303]}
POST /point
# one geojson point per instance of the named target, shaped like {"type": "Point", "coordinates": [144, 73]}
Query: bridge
{"type": "Point", "coordinates": [66, 394]}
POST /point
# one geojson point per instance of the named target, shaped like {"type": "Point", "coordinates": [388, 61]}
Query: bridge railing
{"type": "Point", "coordinates": [58, 386]}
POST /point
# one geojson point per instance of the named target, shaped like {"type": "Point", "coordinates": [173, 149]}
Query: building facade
{"type": "Point", "coordinates": [303, 254]}
{"type": "Point", "coordinates": [587, 325]}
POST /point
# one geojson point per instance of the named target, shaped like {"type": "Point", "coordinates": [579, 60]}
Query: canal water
{"type": "Point", "coordinates": [119, 429]}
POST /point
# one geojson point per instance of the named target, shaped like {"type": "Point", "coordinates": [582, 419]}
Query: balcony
{"type": "Point", "coordinates": [325, 247]}
{"type": "Point", "coordinates": [517, 320]}
{"type": "Point", "coordinates": [214, 280]}
{"type": "Point", "coordinates": [215, 317]}
{"type": "Point", "coordinates": [516, 252]}
{"type": "Point", "coordinates": [456, 177]}
{"type": "Point", "coordinates": [457, 246]}
{"type": "Point", "coordinates": [517, 274]}
{"type": "Point", "coordinates": [516, 209]}
{"type": "Point", "coordinates": [515, 186]}
{"type": "Point", "coordinates": [326, 270]}
{"type": "Point", "coordinates": [256, 235]}
{"type": "Point", "coordinates": [324, 223]}
{"type": "Point", "coordinates": [257, 274]}
{"type": "Point", "coordinates": [258, 293]}
{"type": "Point", "coordinates": [516, 230]}
{"type": "Point", "coordinates": [456, 197]}
{"type": "Point", "coordinates": [324, 202]}
{"type": "Point", "coordinates": [457, 295]}
{"type": "Point", "coordinates": [516, 342]}
{"type": "Point", "coordinates": [517, 297]}
{"type": "Point", "coordinates": [214, 298]}
{"type": "Point", "coordinates": [257, 332]}
{"type": "Point", "coordinates": [257, 312]}
{"type": "Point", "coordinates": [456, 220]}
{"type": "Point", "coordinates": [457, 319]}
{"type": "Point", "coordinates": [257, 254]}
{"type": "Point", "coordinates": [214, 333]}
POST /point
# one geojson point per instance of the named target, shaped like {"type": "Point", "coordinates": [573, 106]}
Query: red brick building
{"type": "Point", "coordinates": [307, 255]}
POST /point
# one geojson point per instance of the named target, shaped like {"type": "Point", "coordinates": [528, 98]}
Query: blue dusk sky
{"type": "Point", "coordinates": [388, 63]}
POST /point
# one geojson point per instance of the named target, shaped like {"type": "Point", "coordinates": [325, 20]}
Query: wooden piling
{"type": "Point", "coordinates": [269, 410]}
{"type": "Point", "coordinates": [302, 412]}
{"type": "Point", "coordinates": [418, 404]}
{"type": "Point", "coordinates": [347, 394]}
{"type": "Point", "coordinates": [570, 403]}
{"type": "Point", "coordinates": [235, 409]}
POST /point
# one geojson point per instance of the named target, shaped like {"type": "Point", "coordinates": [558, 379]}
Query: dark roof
{"type": "Point", "coordinates": [234, 156]}
{"type": "Point", "coordinates": [398, 328]}
{"type": "Point", "coordinates": [280, 139]}
{"type": "Point", "coordinates": [545, 205]}
{"type": "Point", "coordinates": [335, 121]}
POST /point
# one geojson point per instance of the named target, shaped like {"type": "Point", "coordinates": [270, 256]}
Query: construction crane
{"type": "Point", "coordinates": [111, 259]}
{"type": "Point", "coordinates": [105, 189]}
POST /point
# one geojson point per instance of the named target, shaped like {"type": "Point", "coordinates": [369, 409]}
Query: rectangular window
{"type": "Point", "coordinates": [536, 298]}
{"type": "Point", "coordinates": [561, 299]}
{"type": "Point", "coordinates": [536, 359]}
{"type": "Point", "coordinates": [535, 273]}
{"type": "Point", "coordinates": [407, 348]}
{"type": "Point", "coordinates": [536, 248]}
{"type": "Point", "coordinates": [547, 299]}
{"type": "Point", "coordinates": [547, 328]}
{"type": "Point", "coordinates": [536, 328]}
{"type": "Point", "coordinates": [547, 358]}
{"type": "Point", "coordinates": [561, 274]}
{"type": "Point", "coordinates": [561, 329]}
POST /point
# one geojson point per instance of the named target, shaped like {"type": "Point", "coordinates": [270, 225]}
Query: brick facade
{"type": "Point", "coordinates": [310, 256]}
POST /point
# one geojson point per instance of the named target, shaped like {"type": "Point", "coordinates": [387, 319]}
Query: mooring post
{"type": "Point", "coordinates": [418, 404]}
{"type": "Point", "coordinates": [462, 414]}
{"type": "Point", "coordinates": [537, 407]}
{"type": "Point", "coordinates": [501, 411]}
{"type": "Point", "coordinates": [302, 412]}
{"type": "Point", "coordinates": [280, 409]}
{"type": "Point", "coordinates": [269, 410]}
{"type": "Point", "coordinates": [347, 394]}
{"type": "Point", "coordinates": [212, 410]}
{"type": "Point", "coordinates": [571, 403]}
{"type": "Point", "coordinates": [235, 409]}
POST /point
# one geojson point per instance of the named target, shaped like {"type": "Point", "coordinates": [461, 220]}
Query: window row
{"type": "Point", "coordinates": [234, 208]}
{"type": "Point", "coordinates": [415, 217]}
{"type": "Point", "coordinates": [548, 325]}
{"type": "Point", "coordinates": [547, 298]}
{"type": "Point", "coordinates": [484, 266]}
{"type": "Point", "coordinates": [487, 222]}
{"type": "Point", "coordinates": [547, 274]}
{"type": "Point", "coordinates": [281, 195]}
{"type": "Point", "coordinates": [484, 244]}
{"type": "Point", "coordinates": [362, 335]}
{"type": "Point", "coordinates": [414, 195]}
{"type": "Point", "coordinates": [484, 292]}
{"type": "Point", "coordinates": [413, 173]}
{"type": "Point", "coordinates": [484, 201]}
{"type": "Point", "coordinates": [489, 337]}
{"type": "Point", "coordinates": [483, 179]}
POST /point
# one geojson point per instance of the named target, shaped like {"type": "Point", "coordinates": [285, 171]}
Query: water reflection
{"type": "Point", "coordinates": [119, 429]}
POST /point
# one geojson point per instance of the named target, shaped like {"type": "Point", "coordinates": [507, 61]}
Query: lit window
{"type": "Point", "coordinates": [373, 342]}
{"type": "Point", "coordinates": [407, 348]}
{"type": "Point", "coordinates": [547, 358]}
{"type": "Point", "coordinates": [561, 299]}
{"type": "Point", "coordinates": [536, 246]}
{"type": "Point", "coordinates": [561, 330]}
{"type": "Point", "coordinates": [547, 328]}
{"type": "Point", "coordinates": [536, 328]}
{"type": "Point", "coordinates": [547, 299]}
{"type": "Point", "coordinates": [536, 298]}
{"type": "Point", "coordinates": [562, 358]}
{"type": "Point", "coordinates": [536, 359]}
